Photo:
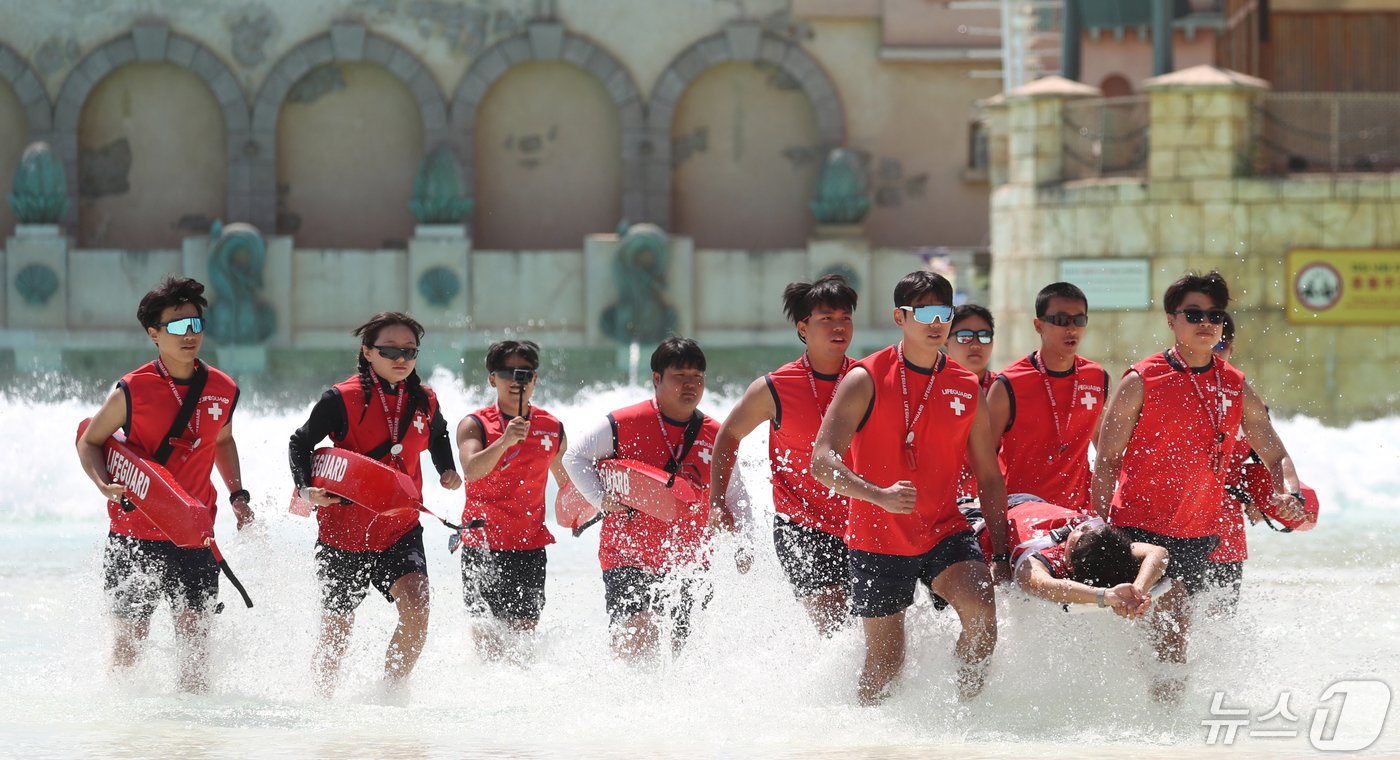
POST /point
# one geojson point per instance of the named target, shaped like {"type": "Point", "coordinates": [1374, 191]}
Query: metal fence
{"type": "Point", "coordinates": [1106, 137]}
{"type": "Point", "coordinates": [1327, 132]}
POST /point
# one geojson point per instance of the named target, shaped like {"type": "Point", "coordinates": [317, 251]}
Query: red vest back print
{"type": "Point", "coordinates": [152, 410]}
{"type": "Point", "coordinates": [1031, 457]}
{"type": "Point", "coordinates": [511, 497]}
{"type": "Point", "coordinates": [634, 539]}
{"type": "Point", "coordinates": [1172, 481]}
{"type": "Point", "coordinates": [796, 494]}
{"type": "Point", "coordinates": [877, 454]}
{"type": "Point", "coordinates": [355, 528]}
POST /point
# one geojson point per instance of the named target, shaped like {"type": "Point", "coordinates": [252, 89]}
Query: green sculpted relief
{"type": "Point", "coordinates": [237, 315]}
{"type": "Point", "coordinates": [41, 193]}
{"type": "Point", "coordinates": [643, 313]}
{"type": "Point", "coordinates": [437, 190]}
{"type": "Point", "coordinates": [843, 192]}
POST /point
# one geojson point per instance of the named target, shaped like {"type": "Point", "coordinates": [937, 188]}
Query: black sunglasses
{"type": "Point", "coordinates": [1197, 316]}
{"type": "Point", "coordinates": [394, 352]}
{"type": "Point", "coordinates": [1061, 319]}
{"type": "Point", "coordinates": [965, 336]}
{"type": "Point", "coordinates": [516, 375]}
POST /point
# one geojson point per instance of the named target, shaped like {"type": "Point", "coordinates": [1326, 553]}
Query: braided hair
{"type": "Point", "coordinates": [368, 333]}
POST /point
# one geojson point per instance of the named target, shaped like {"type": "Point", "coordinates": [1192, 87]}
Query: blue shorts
{"type": "Point", "coordinates": [813, 560]}
{"type": "Point", "coordinates": [884, 584]}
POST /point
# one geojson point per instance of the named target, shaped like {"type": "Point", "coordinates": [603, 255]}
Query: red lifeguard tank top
{"type": "Point", "coordinates": [151, 409]}
{"type": "Point", "coordinates": [1038, 454]}
{"type": "Point", "coordinates": [801, 397]}
{"type": "Point", "coordinates": [877, 454]}
{"type": "Point", "coordinates": [1233, 546]}
{"type": "Point", "coordinates": [356, 528]}
{"type": "Point", "coordinates": [1170, 483]}
{"type": "Point", "coordinates": [511, 497]}
{"type": "Point", "coordinates": [635, 539]}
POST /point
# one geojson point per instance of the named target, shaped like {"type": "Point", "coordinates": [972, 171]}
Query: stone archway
{"type": "Point", "coordinates": [740, 42]}
{"type": "Point", "coordinates": [22, 78]}
{"type": "Point", "coordinates": [550, 42]}
{"type": "Point", "coordinates": [154, 43]}
{"type": "Point", "coordinates": [348, 42]}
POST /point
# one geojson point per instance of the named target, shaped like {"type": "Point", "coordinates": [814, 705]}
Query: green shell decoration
{"type": "Point", "coordinates": [37, 283]}
{"type": "Point", "coordinates": [40, 192]}
{"type": "Point", "coordinates": [439, 285]}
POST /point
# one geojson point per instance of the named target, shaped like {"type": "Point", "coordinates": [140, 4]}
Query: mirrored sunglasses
{"type": "Point", "coordinates": [966, 337]}
{"type": "Point", "coordinates": [1061, 319]}
{"type": "Point", "coordinates": [1197, 316]}
{"type": "Point", "coordinates": [184, 326]}
{"type": "Point", "coordinates": [393, 353]}
{"type": "Point", "coordinates": [930, 313]}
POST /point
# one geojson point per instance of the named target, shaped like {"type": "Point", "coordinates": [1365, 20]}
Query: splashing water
{"type": "Point", "coordinates": [755, 679]}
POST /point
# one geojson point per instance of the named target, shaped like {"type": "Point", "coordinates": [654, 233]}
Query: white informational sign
{"type": "Point", "coordinates": [1121, 284]}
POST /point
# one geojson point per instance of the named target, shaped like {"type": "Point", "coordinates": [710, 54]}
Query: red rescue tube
{"type": "Point", "coordinates": [638, 485]}
{"type": "Point", "coordinates": [150, 488]}
{"type": "Point", "coordinates": [1259, 485]}
{"type": "Point", "coordinates": [366, 483]}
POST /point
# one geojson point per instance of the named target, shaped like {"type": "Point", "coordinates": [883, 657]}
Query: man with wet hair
{"type": "Point", "coordinates": [140, 563]}
{"type": "Point", "coordinates": [650, 568]}
{"type": "Point", "coordinates": [1045, 407]}
{"type": "Point", "coordinates": [1167, 437]}
{"type": "Point", "coordinates": [908, 416]}
{"type": "Point", "coordinates": [809, 519]}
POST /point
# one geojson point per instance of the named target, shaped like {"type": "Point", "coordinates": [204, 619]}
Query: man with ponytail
{"type": "Point", "coordinates": [141, 564]}
{"type": "Point", "coordinates": [386, 413]}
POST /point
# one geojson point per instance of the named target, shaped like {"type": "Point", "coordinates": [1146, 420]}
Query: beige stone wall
{"type": "Point", "coordinates": [914, 120]}
{"type": "Point", "coordinates": [746, 154]}
{"type": "Point", "coordinates": [14, 135]}
{"type": "Point", "coordinates": [150, 188]}
{"type": "Point", "coordinates": [349, 142]}
{"type": "Point", "coordinates": [548, 167]}
{"type": "Point", "coordinates": [1193, 213]}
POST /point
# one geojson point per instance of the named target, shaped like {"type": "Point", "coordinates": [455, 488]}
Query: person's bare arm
{"type": "Point", "coordinates": [1120, 419]}
{"type": "Point", "coordinates": [754, 408]}
{"type": "Point", "coordinates": [226, 459]}
{"type": "Point", "coordinates": [107, 421]}
{"type": "Point", "coordinates": [556, 465]}
{"type": "Point", "coordinates": [998, 412]}
{"type": "Point", "coordinates": [853, 397]}
{"type": "Point", "coordinates": [1035, 579]}
{"type": "Point", "coordinates": [477, 460]}
{"type": "Point", "coordinates": [1259, 431]}
{"type": "Point", "coordinates": [1152, 565]}
{"type": "Point", "coordinates": [991, 486]}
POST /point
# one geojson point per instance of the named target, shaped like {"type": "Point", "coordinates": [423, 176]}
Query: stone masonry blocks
{"type": "Point", "coordinates": [772, 49]}
{"type": "Point", "coordinates": [180, 51]}
{"type": "Point", "coordinates": [120, 52]}
{"type": "Point", "coordinates": [348, 41]}
{"type": "Point", "coordinates": [546, 40]}
{"type": "Point", "coordinates": [10, 64]}
{"type": "Point", "coordinates": [491, 65]}
{"type": "Point", "coordinates": [577, 50]}
{"type": "Point", "coordinates": [318, 50]}
{"type": "Point", "coordinates": [151, 40]}
{"type": "Point", "coordinates": [515, 50]}
{"type": "Point", "coordinates": [743, 40]}
{"type": "Point", "coordinates": [378, 49]}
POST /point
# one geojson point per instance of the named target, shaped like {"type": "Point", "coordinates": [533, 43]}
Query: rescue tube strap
{"type": "Point", "coordinates": [228, 573]}
{"type": "Point", "coordinates": [182, 418]}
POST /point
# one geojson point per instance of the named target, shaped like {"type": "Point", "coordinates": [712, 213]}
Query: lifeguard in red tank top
{"type": "Point", "coordinates": [940, 408]}
{"type": "Point", "coordinates": [1173, 478]}
{"type": "Point", "coordinates": [369, 421]}
{"type": "Point", "coordinates": [801, 397]}
{"type": "Point", "coordinates": [630, 538]}
{"type": "Point", "coordinates": [1046, 449]}
{"type": "Point", "coordinates": [511, 498]}
{"type": "Point", "coordinates": [153, 401]}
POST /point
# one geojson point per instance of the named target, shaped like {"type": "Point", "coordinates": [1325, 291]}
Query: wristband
{"type": "Point", "coordinates": [1299, 496]}
{"type": "Point", "coordinates": [1101, 596]}
{"type": "Point", "coordinates": [1001, 557]}
{"type": "Point", "coordinates": [243, 492]}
